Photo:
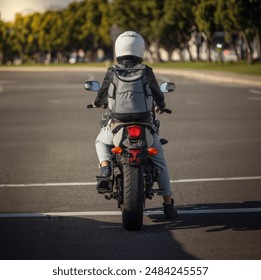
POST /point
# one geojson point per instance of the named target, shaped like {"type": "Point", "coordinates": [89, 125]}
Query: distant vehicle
{"type": "Point", "coordinates": [222, 49]}
{"type": "Point", "coordinates": [229, 55]}
{"type": "Point", "coordinates": [73, 58]}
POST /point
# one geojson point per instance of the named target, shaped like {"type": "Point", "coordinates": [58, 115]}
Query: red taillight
{"type": "Point", "coordinates": [134, 131]}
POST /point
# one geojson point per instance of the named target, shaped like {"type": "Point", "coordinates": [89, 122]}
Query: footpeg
{"type": "Point", "coordinates": [159, 191]}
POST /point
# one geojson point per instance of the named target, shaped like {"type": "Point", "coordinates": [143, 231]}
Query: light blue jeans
{"type": "Point", "coordinates": [104, 144]}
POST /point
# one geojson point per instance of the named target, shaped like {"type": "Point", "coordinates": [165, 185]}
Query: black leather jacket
{"type": "Point", "coordinates": [102, 94]}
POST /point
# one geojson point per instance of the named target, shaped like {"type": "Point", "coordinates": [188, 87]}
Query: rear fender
{"type": "Point", "coordinates": [118, 137]}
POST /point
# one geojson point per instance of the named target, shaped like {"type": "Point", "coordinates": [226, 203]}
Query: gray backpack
{"type": "Point", "coordinates": [129, 97]}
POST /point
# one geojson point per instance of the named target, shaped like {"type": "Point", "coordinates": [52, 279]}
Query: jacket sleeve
{"type": "Point", "coordinates": [102, 94]}
{"type": "Point", "coordinates": [157, 94]}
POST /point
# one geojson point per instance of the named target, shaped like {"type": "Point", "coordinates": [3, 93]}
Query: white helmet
{"type": "Point", "coordinates": [129, 43]}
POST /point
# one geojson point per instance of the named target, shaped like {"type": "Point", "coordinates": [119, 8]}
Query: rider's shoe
{"type": "Point", "coordinates": [103, 184]}
{"type": "Point", "coordinates": [169, 210]}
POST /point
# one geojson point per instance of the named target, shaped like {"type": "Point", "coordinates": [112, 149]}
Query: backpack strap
{"type": "Point", "coordinates": [119, 70]}
{"type": "Point", "coordinates": [112, 84]}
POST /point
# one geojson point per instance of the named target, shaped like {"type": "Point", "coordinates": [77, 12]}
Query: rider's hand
{"type": "Point", "coordinates": [104, 106]}
{"type": "Point", "coordinates": [166, 110]}
{"type": "Point", "coordinates": [163, 110]}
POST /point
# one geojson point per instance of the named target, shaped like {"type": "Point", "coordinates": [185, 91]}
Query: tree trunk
{"type": "Point", "coordinates": [208, 43]}
{"type": "Point", "coordinates": [21, 57]}
{"type": "Point", "coordinates": [154, 51]}
{"type": "Point", "coordinates": [209, 50]}
{"type": "Point", "coordinates": [190, 54]}
{"type": "Point", "coordinates": [170, 52]}
{"type": "Point", "coordinates": [258, 38]}
{"type": "Point", "coordinates": [235, 49]}
{"type": "Point", "coordinates": [59, 57]}
{"type": "Point", "coordinates": [1, 57]}
{"type": "Point", "coordinates": [248, 48]}
{"type": "Point", "coordinates": [181, 54]}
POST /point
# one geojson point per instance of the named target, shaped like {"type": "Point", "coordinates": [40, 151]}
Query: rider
{"type": "Point", "coordinates": [129, 52]}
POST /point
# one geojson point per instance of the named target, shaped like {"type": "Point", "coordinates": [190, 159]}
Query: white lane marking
{"type": "Point", "coordinates": [55, 101]}
{"type": "Point", "coordinates": [118, 213]}
{"type": "Point", "coordinates": [46, 86]}
{"type": "Point", "coordinates": [255, 91]}
{"type": "Point", "coordinates": [94, 183]}
{"type": "Point", "coordinates": [110, 226]}
{"type": "Point", "coordinates": [216, 179]}
{"type": "Point", "coordinates": [210, 211]}
{"type": "Point", "coordinates": [59, 214]}
{"type": "Point", "coordinates": [254, 98]}
{"type": "Point", "coordinates": [47, 185]}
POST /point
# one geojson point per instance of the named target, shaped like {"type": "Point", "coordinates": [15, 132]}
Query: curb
{"type": "Point", "coordinates": [221, 77]}
{"type": "Point", "coordinates": [215, 77]}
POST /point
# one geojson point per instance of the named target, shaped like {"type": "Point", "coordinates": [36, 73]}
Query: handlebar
{"type": "Point", "coordinates": [168, 111]}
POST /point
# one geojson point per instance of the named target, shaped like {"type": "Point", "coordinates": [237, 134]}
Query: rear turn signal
{"type": "Point", "coordinates": [152, 151]}
{"type": "Point", "coordinates": [116, 150]}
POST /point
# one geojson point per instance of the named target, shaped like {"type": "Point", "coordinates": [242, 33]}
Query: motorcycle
{"type": "Point", "coordinates": [133, 174]}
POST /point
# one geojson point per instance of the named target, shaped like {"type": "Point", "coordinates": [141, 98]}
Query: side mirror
{"type": "Point", "coordinates": [167, 87]}
{"type": "Point", "coordinates": [92, 85]}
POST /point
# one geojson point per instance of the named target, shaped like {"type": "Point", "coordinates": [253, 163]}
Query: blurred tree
{"type": "Point", "coordinates": [7, 34]}
{"type": "Point", "coordinates": [52, 38]}
{"type": "Point", "coordinates": [178, 22]}
{"type": "Point", "coordinates": [2, 40]}
{"type": "Point", "coordinates": [20, 32]}
{"type": "Point", "coordinates": [241, 17]}
{"type": "Point", "coordinates": [144, 17]}
{"type": "Point", "coordinates": [167, 24]}
{"type": "Point", "coordinates": [247, 21]}
{"type": "Point", "coordinates": [226, 16]}
{"type": "Point", "coordinates": [204, 11]}
{"type": "Point", "coordinates": [33, 48]}
{"type": "Point", "coordinates": [88, 26]}
{"type": "Point", "coordinates": [95, 30]}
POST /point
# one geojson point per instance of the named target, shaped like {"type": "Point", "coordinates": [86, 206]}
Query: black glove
{"type": "Point", "coordinates": [163, 110]}
{"type": "Point", "coordinates": [104, 106]}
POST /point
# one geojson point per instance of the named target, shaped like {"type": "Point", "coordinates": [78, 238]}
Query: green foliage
{"type": "Point", "coordinates": [163, 23]}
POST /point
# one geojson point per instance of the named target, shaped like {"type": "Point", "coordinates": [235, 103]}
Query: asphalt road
{"type": "Point", "coordinates": [49, 208]}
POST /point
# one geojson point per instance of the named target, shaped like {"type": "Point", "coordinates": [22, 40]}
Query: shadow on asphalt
{"type": "Point", "coordinates": [243, 221]}
{"type": "Point", "coordinates": [74, 238]}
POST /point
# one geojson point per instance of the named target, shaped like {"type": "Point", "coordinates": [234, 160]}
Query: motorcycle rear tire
{"type": "Point", "coordinates": [132, 210]}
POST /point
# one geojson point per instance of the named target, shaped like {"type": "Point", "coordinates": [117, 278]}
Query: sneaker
{"type": "Point", "coordinates": [169, 210]}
